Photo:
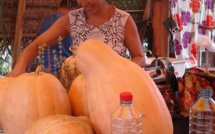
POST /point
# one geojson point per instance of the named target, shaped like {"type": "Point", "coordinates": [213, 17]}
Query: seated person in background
{"type": "Point", "coordinates": [95, 20]}
{"type": "Point", "coordinates": [206, 42]}
{"type": "Point", "coordinates": [52, 55]}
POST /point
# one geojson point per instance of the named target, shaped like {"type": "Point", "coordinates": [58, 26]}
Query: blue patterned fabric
{"type": "Point", "coordinates": [53, 62]}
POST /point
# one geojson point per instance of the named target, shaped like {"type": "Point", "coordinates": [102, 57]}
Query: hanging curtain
{"type": "Point", "coordinates": [189, 14]}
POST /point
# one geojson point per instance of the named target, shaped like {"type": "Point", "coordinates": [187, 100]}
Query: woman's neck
{"type": "Point", "coordinates": [100, 17]}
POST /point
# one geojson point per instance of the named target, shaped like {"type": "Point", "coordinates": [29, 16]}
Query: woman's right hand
{"type": "Point", "coordinates": [204, 41]}
{"type": "Point", "coordinates": [15, 73]}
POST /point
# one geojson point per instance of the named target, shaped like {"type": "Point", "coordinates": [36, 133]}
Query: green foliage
{"type": "Point", "coordinates": [5, 46]}
{"type": "Point", "coordinates": [5, 67]}
{"type": "Point", "coordinates": [5, 57]}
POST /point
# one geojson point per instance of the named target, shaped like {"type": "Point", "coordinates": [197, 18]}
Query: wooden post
{"type": "Point", "coordinates": [18, 31]}
{"type": "Point", "coordinates": [160, 33]}
{"type": "Point", "coordinates": [147, 10]}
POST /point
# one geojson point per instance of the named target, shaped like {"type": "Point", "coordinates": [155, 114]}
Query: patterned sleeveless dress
{"type": "Point", "coordinates": [111, 32]}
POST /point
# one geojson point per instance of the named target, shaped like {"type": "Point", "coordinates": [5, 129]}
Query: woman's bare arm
{"type": "Point", "coordinates": [49, 37]}
{"type": "Point", "coordinates": [133, 43]}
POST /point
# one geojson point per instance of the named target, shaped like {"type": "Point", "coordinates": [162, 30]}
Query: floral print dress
{"type": "Point", "coordinates": [189, 14]}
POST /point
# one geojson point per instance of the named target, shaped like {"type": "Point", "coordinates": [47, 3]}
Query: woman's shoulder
{"type": "Point", "coordinates": [77, 13]}
{"type": "Point", "coordinates": [117, 10]}
{"type": "Point", "coordinates": [78, 10]}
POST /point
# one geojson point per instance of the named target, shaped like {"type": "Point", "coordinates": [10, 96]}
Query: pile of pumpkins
{"type": "Point", "coordinates": [37, 103]}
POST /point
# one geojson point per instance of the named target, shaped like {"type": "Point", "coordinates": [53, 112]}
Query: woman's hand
{"type": "Point", "coordinates": [206, 42]}
{"type": "Point", "coordinates": [15, 72]}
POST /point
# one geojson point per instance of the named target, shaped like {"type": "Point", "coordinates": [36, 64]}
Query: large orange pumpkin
{"type": "Point", "coordinates": [30, 97]}
{"type": "Point", "coordinates": [105, 76]}
{"type": "Point", "coordinates": [78, 96]}
{"type": "Point", "coordinates": [61, 124]}
{"type": "Point", "coordinates": [4, 84]}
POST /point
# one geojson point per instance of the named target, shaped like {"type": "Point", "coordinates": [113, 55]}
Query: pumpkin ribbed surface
{"type": "Point", "coordinates": [106, 75]}
{"type": "Point", "coordinates": [31, 97]}
{"type": "Point", "coordinates": [61, 124]}
{"type": "Point", "coordinates": [78, 96]}
{"type": "Point", "coordinates": [4, 84]}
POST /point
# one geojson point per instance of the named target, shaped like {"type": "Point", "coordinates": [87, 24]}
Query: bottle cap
{"type": "Point", "coordinates": [126, 96]}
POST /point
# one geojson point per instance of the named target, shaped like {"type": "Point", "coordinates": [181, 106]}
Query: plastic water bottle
{"type": "Point", "coordinates": [202, 114]}
{"type": "Point", "coordinates": [126, 119]}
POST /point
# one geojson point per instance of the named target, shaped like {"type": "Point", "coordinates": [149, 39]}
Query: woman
{"type": "Point", "coordinates": [96, 19]}
{"type": "Point", "coordinates": [50, 63]}
{"type": "Point", "coordinates": [206, 42]}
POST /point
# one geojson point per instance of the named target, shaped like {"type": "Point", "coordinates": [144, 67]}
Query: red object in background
{"type": "Point", "coordinates": [194, 50]}
{"type": "Point", "coordinates": [209, 21]}
{"type": "Point", "coordinates": [213, 84]}
{"type": "Point", "coordinates": [195, 5]}
{"type": "Point", "coordinates": [190, 85]}
{"type": "Point", "coordinates": [204, 82]}
{"type": "Point", "coordinates": [178, 20]}
{"type": "Point", "coordinates": [209, 18]}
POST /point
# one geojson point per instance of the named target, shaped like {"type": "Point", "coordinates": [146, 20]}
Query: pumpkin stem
{"type": "Point", "coordinates": [38, 69]}
{"type": "Point", "coordinates": [73, 49]}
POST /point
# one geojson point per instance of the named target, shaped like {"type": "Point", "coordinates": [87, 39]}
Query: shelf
{"type": "Point", "coordinates": [206, 27]}
{"type": "Point", "coordinates": [134, 11]}
{"type": "Point", "coordinates": [24, 35]}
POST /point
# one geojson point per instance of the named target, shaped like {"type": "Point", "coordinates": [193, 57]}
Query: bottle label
{"type": "Point", "coordinates": [200, 105]}
{"type": "Point", "coordinates": [203, 104]}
